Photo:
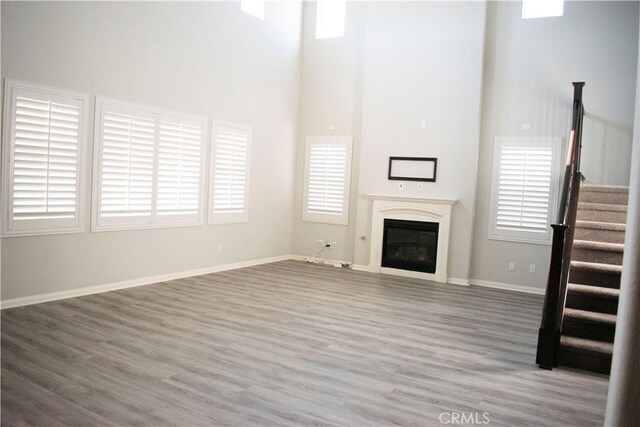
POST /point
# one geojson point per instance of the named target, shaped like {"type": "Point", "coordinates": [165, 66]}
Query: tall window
{"type": "Point", "coordinates": [253, 7]}
{"type": "Point", "coordinates": [148, 167]}
{"type": "Point", "coordinates": [524, 189]}
{"type": "Point", "coordinates": [330, 16]}
{"type": "Point", "coordinates": [43, 154]}
{"type": "Point", "coordinates": [327, 179]}
{"type": "Point", "coordinates": [229, 199]}
{"type": "Point", "coordinates": [542, 8]}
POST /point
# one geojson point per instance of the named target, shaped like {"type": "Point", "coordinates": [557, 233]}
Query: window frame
{"type": "Point", "coordinates": [326, 218]}
{"type": "Point", "coordinates": [8, 153]}
{"type": "Point", "coordinates": [524, 236]}
{"type": "Point", "coordinates": [154, 223]}
{"type": "Point", "coordinates": [229, 218]}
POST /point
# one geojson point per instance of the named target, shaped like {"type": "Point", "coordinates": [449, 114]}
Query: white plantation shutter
{"type": "Point", "coordinates": [149, 167]}
{"type": "Point", "coordinates": [44, 152]}
{"type": "Point", "coordinates": [524, 188]}
{"type": "Point", "coordinates": [126, 171]}
{"type": "Point", "coordinates": [327, 176]}
{"type": "Point", "coordinates": [230, 173]}
{"type": "Point", "coordinates": [179, 168]}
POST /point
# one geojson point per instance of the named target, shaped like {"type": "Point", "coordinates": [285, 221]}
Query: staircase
{"type": "Point", "coordinates": [589, 317]}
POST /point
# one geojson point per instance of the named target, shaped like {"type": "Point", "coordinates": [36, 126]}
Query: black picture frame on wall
{"type": "Point", "coordinates": [402, 169]}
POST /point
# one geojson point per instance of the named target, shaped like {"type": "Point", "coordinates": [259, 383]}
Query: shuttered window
{"type": "Point", "coordinates": [230, 173]}
{"type": "Point", "coordinates": [524, 188]}
{"type": "Point", "coordinates": [126, 169]}
{"type": "Point", "coordinates": [149, 167]}
{"type": "Point", "coordinates": [43, 155]}
{"type": "Point", "coordinates": [179, 168]}
{"type": "Point", "coordinates": [327, 178]}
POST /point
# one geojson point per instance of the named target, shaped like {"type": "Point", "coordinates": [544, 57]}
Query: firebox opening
{"type": "Point", "coordinates": [410, 245]}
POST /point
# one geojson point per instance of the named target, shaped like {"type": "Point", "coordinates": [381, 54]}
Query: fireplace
{"type": "Point", "coordinates": [411, 211]}
{"type": "Point", "coordinates": [410, 245]}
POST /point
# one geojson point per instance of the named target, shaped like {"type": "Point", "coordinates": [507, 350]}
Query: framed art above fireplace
{"type": "Point", "coordinates": [413, 168]}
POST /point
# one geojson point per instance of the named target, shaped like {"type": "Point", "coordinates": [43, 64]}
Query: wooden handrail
{"type": "Point", "coordinates": [563, 232]}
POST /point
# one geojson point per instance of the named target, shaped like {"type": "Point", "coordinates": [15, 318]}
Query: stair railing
{"type": "Point", "coordinates": [562, 243]}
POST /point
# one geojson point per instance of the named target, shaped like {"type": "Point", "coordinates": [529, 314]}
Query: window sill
{"type": "Point", "coordinates": [32, 233]}
{"type": "Point", "coordinates": [545, 242]}
{"type": "Point", "coordinates": [111, 227]}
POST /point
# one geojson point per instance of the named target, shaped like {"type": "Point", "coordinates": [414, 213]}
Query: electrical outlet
{"type": "Point", "coordinates": [320, 243]}
{"type": "Point", "coordinates": [532, 268]}
{"type": "Point", "coordinates": [219, 247]}
{"type": "Point", "coordinates": [512, 266]}
{"type": "Point", "coordinates": [333, 245]}
{"type": "Point", "coordinates": [419, 186]}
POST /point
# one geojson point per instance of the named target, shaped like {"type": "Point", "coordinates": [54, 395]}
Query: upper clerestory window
{"type": "Point", "coordinates": [542, 8]}
{"type": "Point", "coordinates": [330, 16]}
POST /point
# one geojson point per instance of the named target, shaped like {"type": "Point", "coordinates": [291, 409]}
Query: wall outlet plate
{"type": "Point", "coordinates": [512, 266]}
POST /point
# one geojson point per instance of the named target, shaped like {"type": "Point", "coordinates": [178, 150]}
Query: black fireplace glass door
{"type": "Point", "coordinates": [410, 245]}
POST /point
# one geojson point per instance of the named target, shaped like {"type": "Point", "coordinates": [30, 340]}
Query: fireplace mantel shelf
{"type": "Point", "coordinates": [445, 201]}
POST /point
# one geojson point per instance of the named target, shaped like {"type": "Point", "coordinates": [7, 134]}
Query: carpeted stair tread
{"type": "Point", "coordinates": [597, 225]}
{"type": "Point", "coordinates": [586, 345]}
{"type": "Point", "coordinates": [600, 231]}
{"type": "Point", "coordinates": [598, 246]}
{"type": "Point", "coordinates": [601, 207]}
{"type": "Point", "coordinates": [615, 196]}
{"type": "Point", "coordinates": [601, 189]}
{"type": "Point", "coordinates": [586, 316]}
{"type": "Point", "coordinates": [591, 305]}
{"type": "Point", "coordinates": [593, 297]}
{"type": "Point", "coordinates": [596, 267]}
{"type": "Point", "coordinates": [594, 291]}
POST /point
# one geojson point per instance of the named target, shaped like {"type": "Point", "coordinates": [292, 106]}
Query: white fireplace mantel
{"type": "Point", "coordinates": [410, 209]}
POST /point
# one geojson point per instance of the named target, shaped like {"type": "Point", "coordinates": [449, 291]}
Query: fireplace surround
{"type": "Point", "coordinates": [412, 209]}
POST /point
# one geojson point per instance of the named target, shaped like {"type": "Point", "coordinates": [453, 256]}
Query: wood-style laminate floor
{"type": "Point", "coordinates": [287, 344]}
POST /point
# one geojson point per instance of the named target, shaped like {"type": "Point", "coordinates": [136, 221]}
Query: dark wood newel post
{"type": "Point", "coordinates": [548, 334]}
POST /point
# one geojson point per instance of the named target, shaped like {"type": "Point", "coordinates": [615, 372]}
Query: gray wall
{"type": "Point", "coordinates": [529, 67]}
{"type": "Point", "coordinates": [208, 59]}
{"type": "Point", "coordinates": [330, 95]}
{"type": "Point", "coordinates": [403, 62]}
{"type": "Point", "coordinates": [423, 61]}
{"type": "Point", "coordinates": [399, 63]}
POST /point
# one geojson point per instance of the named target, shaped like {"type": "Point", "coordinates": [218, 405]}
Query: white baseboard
{"type": "Point", "coordinates": [506, 286]}
{"type": "Point", "coordinates": [89, 290]}
{"type": "Point", "coordinates": [458, 281]}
